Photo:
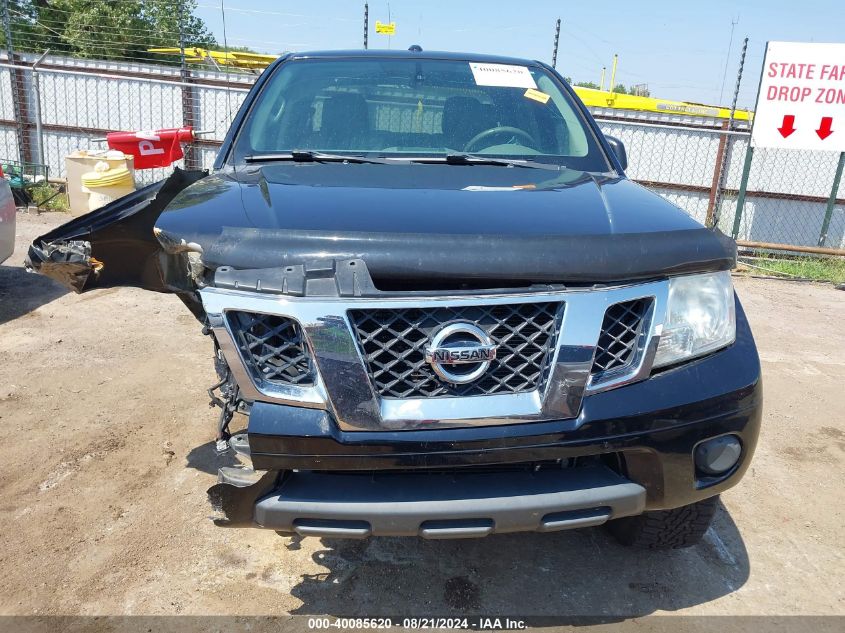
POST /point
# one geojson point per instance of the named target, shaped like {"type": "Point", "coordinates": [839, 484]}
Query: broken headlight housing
{"type": "Point", "coordinates": [700, 317]}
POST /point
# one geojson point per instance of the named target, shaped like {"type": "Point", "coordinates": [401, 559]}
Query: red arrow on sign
{"type": "Point", "coordinates": [824, 129]}
{"type": "Point", "coordinates": [788, 125]}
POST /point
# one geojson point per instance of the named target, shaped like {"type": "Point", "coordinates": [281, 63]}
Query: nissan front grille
{"type": "Point", "coordinates": [405, 362]}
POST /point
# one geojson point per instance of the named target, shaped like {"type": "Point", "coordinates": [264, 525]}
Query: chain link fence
{"type": "Point", "coordinates": [68, 104]}
{"type": "Point", "coordinates": [681, 161]}
{"type": "Point", "coordinates": [787, 197]}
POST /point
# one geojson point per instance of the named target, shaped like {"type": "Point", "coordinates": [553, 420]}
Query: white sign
{"type": "Point", "coordinates": [801, 104]}
{"type": "Point", "coordinates": [502, 75]}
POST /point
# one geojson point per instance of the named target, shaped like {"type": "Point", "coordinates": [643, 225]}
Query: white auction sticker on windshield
{"type": "Point", "coordinates": [502, 75]}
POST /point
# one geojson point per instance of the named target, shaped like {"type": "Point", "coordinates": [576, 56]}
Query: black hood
{"type": "Point", "coordinates": [432, 226]}
{"type": "Point", "coordinates": [442, 222]}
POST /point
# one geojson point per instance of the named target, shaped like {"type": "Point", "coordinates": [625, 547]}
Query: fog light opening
{"type": "Point", "coordinates": [719, 455]}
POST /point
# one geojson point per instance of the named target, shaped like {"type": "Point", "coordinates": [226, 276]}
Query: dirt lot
{"type": "Point", "coordinates": [108, 456]}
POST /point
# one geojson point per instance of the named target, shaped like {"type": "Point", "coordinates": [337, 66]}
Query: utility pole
{"type": "Point", "coordinates": [366, 23]}
{"type": "Point", "coordinates": [557, 38]}
{"type": "Point", "coordinates": [601, 83]}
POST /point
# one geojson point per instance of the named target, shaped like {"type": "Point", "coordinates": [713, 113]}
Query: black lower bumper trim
{"type": "Point", "coordinates": [453, 505]}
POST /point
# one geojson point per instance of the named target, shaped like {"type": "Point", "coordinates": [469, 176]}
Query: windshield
{"type": "Point", "coordinates": [406, 107]}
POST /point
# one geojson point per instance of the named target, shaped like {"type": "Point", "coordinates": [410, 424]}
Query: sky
{"type": "Point", "coordinates": [680, 49]}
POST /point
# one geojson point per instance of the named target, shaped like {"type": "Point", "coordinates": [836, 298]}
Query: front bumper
{"type": "Point", "coordinates": [447, 505]}
{"type": "Point", "coordinates": [650, 428]}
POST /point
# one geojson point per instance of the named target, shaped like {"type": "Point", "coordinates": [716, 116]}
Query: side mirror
{"type": "Point", "coordinates": [619, 149]}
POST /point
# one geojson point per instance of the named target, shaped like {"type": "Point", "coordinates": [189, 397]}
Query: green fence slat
{"type": "Point", "coordinates": [743, 187]}
{"type": "Point", "coordinates": [831, 201]}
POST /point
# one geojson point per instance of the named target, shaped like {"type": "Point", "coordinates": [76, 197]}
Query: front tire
{"type": "Point", "coordinates": [666, 529]}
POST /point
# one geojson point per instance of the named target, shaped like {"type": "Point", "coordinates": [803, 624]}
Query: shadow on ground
{"type": "Point", "coordinates": [562, 576]}
{"type": "Point", "coordinates": [22, 292]}
{"type": "Point", "coordinates": [206, 459]}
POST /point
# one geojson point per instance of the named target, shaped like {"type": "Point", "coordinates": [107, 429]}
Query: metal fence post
{"type": "Point", "coordinates": [723, 171]}
{"type": "Point", "coordinates": [743, 187]}
{"type": "Point", "coordinates": [188, 117]}
{"type": "Point", "coordinates": [36, 107]}
{"type": "Point", "coordinates": [721, 154]}
{"type": "Point", "coordinates": [831, 201]}
{"type": "Point", "coordinates": [17, 97]}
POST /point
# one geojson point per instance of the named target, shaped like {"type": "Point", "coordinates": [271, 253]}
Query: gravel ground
{"type": "Point", "coordinates": [103, 509]}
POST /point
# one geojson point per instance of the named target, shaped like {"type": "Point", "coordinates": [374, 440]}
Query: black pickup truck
{"type": "Point", "coordinates": [440, 309]}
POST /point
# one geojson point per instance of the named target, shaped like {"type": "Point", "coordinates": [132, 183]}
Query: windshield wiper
{"type": "Point", "coordinates": [310, 156]}
{"type": "Point", "coordinates": [477, 159]}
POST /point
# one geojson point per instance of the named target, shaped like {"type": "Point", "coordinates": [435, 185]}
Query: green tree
{"type": "Point", "coordinates": [22, 17]}
{"type": "Point", "coordinates": [241, 49]}
{"type": "Point", "coordinates": [106, 29]}
{"type": "Point", "coordinates": [588, 84]}
{"type": "Point", "coordinates": [620, 89]}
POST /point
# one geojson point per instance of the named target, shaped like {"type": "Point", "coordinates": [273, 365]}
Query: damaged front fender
{"type": "Point", "coordinates": [117, 244]}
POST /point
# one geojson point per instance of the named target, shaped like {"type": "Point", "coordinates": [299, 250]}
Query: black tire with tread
{"type": "Point", "coordinates": [666, 529]}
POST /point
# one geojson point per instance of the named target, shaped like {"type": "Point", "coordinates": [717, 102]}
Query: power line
{"type": "Point", "coordinates": [728, 58]}
{"type": "Point", "coordinates": [321, 18]}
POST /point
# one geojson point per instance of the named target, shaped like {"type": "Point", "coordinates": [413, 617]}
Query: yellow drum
{"type": "Point", "coordinates": [106, 184]}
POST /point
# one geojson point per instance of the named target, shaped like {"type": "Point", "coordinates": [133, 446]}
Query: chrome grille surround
{"type": "Point", "coordinates": [393, 343]}
{"type": "Point", "coordinates": [621, 330]}
{"type": "Point", "coordinates": [342, 383]}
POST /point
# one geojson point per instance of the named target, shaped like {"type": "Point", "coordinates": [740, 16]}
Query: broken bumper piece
{"type": "Point", "coordinates": [116, 245]}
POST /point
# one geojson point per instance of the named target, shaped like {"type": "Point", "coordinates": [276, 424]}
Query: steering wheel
{"type": "Point", "coordinates": [496, 131]}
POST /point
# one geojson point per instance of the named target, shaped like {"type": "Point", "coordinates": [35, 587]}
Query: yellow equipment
{"type": "Point", "coordinates": [236, 59]}
{"type": "Point", "coordinates": [604, 99]}
{"type": "Point", "coordinates": [591, 97]}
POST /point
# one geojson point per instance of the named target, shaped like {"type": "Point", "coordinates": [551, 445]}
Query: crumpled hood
{"type": "Point", "coordinates": [433, 226]}
{"type": "Point", "coordinates": [439, 221]}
